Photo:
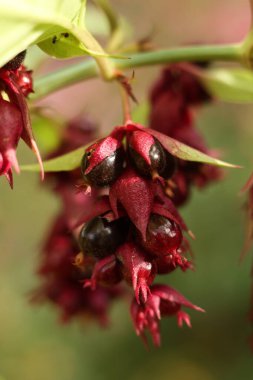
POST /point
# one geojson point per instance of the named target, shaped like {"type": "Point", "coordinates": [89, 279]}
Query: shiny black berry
{"type": "Point", "coordinates": [170, 166]}
{"type": "Point", "coordinates": [157, 158]}
{"type": "Point", "coordinates": [162, 162]}
{"type": "Point", "coordinates": [101, 238]}
{"type": "Point", "coordinates": [107, 171]}
{"type": "Point", "coordinates": [163, 236]}
{"type": "Point", "coordinates": [16, 62]}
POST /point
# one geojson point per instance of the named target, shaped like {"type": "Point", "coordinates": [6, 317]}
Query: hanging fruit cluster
{"type": "Point", "coordinates": [134, 232]}
{"type": "Point", "coordinates": [122, 228]}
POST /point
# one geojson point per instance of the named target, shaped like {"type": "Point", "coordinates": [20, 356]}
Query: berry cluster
{"type": "Point", "coordinates": [174, 99]}
{"type": "Point", "coordinates": [15, 85]}
{"type": "Point", "coordinates": [124, 230]}
{"type": "Point", "coordinates": [134, 232]}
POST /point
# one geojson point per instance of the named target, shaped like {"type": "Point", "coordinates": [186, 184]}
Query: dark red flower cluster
{"type": "Point", "coordinates": [15, 85]}
{"type": "Point", "coordinates": [174, 99]}
{"type": "Point", "coordinates": [134, 232]}
{"type": "Point", "coordinates": [62, 281]}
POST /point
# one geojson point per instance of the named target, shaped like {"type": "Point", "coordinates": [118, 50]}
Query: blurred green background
{"type": "Point", "coordinates": [33, 346]}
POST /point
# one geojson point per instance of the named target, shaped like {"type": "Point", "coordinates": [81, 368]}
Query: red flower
{"type": "Point", "coordinates": [163, 301]}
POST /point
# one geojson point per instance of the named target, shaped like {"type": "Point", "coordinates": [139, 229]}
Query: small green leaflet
{"type": "Point", "coordinates": [230, 85]}
{"type": "Point", "coordinates": [67, 162]}
{"type": "Point", "coordinates": [27, 22]}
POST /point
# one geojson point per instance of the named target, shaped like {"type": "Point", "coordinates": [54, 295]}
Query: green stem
{"type": "Point", "coordinates": [54, 81]}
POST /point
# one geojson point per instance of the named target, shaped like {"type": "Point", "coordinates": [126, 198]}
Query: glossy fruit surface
{"type": "Point", "coordinates": [163, 236]}
{"type": "Point", "coordinates": [170, 166]}
{"type": "Point", "coordinates": [100, 238]}
{"type": "Point", "coordinates": [106, 172]}
{"type": "Point", "coordinates": [157, 159]}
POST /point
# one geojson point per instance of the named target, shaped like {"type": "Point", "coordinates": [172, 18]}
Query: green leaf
{"type": "Point", "coordinates": [229, 85]}
{"type": "Point", "coordinates": [67, 162]}
{"type": "Point", "coordinates": [185, 152]}
{"type": "Point", "coordinates": [26, 22]}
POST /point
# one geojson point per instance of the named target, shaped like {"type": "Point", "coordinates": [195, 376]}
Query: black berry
{"type": "Point", "coordinates": [157, 158]}
{"type": "Point", "coordinates": [162, 162]}
{"type": "Point", "coordinates": [106, 172]}
{"type": "Point", "coordinates": [170, 166]}
{"type": "Point", "coordinates": [101, 238]}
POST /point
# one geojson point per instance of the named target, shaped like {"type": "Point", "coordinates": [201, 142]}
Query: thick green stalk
{"type": "Point", "coordinates": [88, 69]}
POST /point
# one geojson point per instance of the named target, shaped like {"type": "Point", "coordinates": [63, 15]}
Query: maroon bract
{"type": "Point", "coordinates": [10, 132]}
{"type": "Point", "coordinates": [136, 195]}
{"type": "Point", "coordinates": [106, 272]}
{"type": "Point", "coordinates": [15, 84]}
{"type": "Point", "coordinates": [162, 302]}
{"type": "Point", "coordinates": [137, 270]}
